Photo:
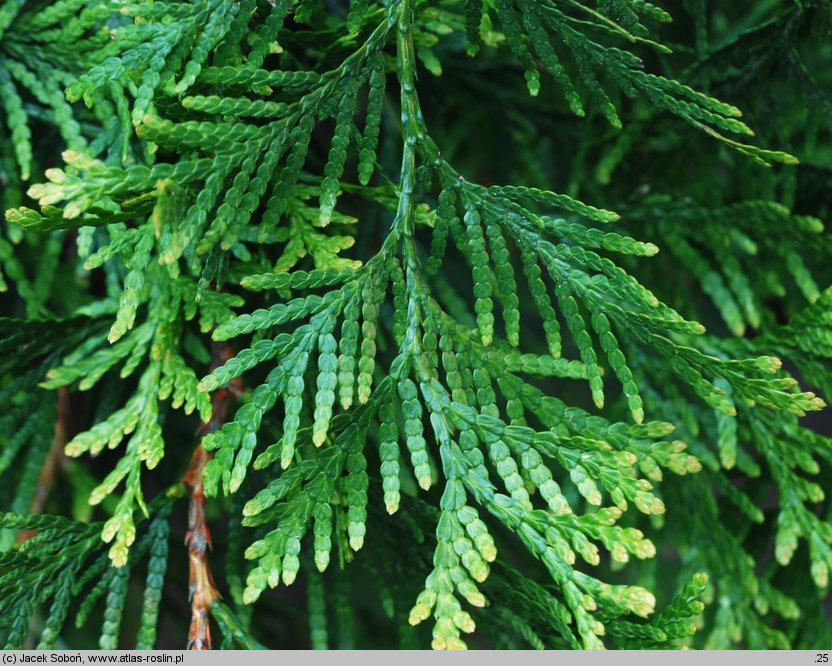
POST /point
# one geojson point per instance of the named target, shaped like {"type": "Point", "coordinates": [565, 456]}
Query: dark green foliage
{"type": "Point", "coordinates": [484, 348]}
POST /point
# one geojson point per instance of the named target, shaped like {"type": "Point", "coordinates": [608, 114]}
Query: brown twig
{"type": "Point", "coordinates": [53, 462]}
{"type": "Point", "coordinates": [55, 458]}
{"type": "Point", "coordinates": [198, 537]}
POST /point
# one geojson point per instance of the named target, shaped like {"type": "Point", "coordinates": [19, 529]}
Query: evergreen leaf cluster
{"type": "Point", "coordinates": [518, 310]}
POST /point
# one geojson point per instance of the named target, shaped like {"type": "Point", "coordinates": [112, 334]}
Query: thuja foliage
{"type": "Point", "coordinates": [449, 322]}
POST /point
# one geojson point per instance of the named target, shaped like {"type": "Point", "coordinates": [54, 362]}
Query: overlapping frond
{"type": "Point", "coordinates": [238, 185]}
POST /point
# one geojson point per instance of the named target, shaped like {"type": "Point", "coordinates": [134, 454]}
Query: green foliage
{"type": "Point", "coordinates": [58, 567]}
{"type": "Point", "coordinates": [420, 357]}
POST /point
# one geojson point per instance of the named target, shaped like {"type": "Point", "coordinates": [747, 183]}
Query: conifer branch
{"type": "Point", "coordinates": [203, 591]}
{"type": "Point", "coordinates": [446, 298]}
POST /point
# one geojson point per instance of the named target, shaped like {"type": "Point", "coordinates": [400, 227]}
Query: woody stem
{"type": "Point", "coordinates": [203, 591]}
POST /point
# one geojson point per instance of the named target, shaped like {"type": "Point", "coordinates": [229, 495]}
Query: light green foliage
{"type": "Point", "coordinates": [389, 454]}
{"type": "Point", "coordinates": [294, 224]}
